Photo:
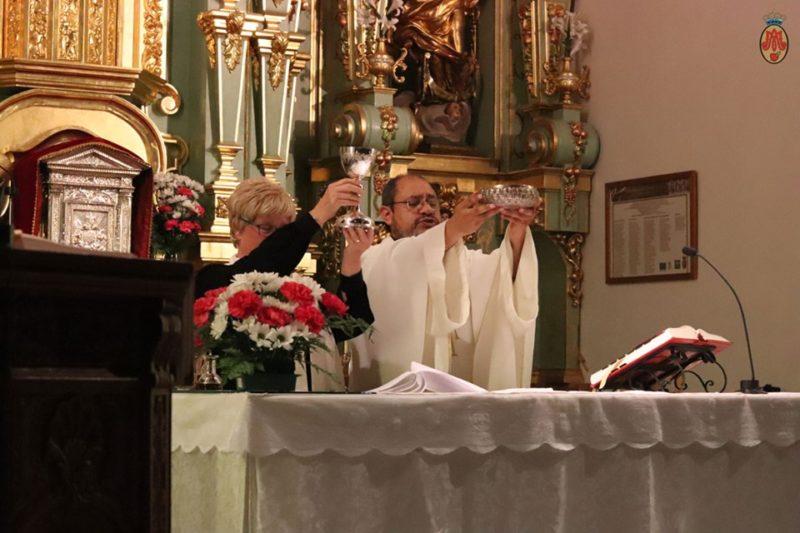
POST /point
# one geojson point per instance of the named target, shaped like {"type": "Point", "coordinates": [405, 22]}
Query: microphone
{"type": "Point", "coordinates": [748, 386]}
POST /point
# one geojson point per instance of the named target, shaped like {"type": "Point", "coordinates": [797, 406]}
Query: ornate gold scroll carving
{"type": "Point", "coordinates": [572, 246]}
{"type": "Point", "coordinates": [68, 31]}
{"type": "Point", "coordinates": [232, 47]}
{"type": "Point", "coordinates": [95, 18]}
{"type": "Point", "coordinates": [275, 65]}
{"type": "Point", "coordinates": [153, 32]}
{"type": "Point", "coordinates": [111, 32]}
{"type": "Point", "coordinates": [15, 13]}
{"type": "Point", "coordinates": [205, 21]}
{"type": "Point", "coordinates": [38, 41]}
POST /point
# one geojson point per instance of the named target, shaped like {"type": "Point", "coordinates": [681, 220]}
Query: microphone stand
{"type": "Point", "coordinates": [748, 386]}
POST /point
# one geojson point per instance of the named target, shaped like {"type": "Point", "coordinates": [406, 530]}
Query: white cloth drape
{"type": "Point", "coordinates": [486, 462]}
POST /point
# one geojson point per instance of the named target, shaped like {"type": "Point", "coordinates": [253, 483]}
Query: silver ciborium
{"type": "Point", "coordinates": [510, 195]}
{"type": "Point", "coordinates": [358, 163]}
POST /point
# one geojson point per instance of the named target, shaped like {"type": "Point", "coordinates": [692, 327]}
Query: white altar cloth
{"type": "Point", "coordinates": [557, 461]}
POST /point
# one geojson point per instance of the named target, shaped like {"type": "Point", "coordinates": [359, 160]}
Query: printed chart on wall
{"type": "Point", "coordinates": [648, 222]}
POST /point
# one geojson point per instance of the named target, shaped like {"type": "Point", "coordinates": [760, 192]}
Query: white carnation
{"type": "Point", "coordinates": [271, 301]}
{"type": "Point", "coordinates": [220, 321]}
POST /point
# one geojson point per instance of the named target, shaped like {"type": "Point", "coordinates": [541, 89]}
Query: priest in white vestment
{"type": "Point", "coordinates": [435, 302]}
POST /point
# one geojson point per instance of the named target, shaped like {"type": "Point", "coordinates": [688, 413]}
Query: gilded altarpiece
{"type": "Point", "coordinates": [469, 94]}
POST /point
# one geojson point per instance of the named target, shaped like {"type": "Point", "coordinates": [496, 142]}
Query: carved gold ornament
{"type": "Point", "coordinates": [15, 13]}
{"type": "Point", "coordinates": [571, 245]}
{"type": "Point", "coordinates": [569, 180]}
{"type": "Point", "coordinates": [232, 47]}
{"type": "Point", "coordinates": [362, 62]}
{"type": "Point", "coordinates": [38, 42]}
{"type": "Point", "coordinates": [330, 247]}
{"type": "Point", "coordinates": [559, 76]}
{"type": "Point", "coordinates": [68, 30]}
{"type": "Point", "coordinates": [526, 34]}
{"type": "Point", "coordinates": [255, 67]}
{"type": "Point", "coordinates": [153, 32]}
{"type": "Point", "coordinates": [562, 80]}
{"type": "Point", "coordinates": [388, 135]}
{"type": "Point", "coordinates": [111, 32]}
{"type": "Point", "coordinates": [94, 32]}
{"type": "Point", "coordinates": [275, 64]}
{"type": "Point", "coordinates": [343, 48]}
{"type": "Point", "coordinates": [220, 207]}
{"type": "Point", "coordinates": [205, 21]}
{"type": "Point", "coordinates": [304, 6]}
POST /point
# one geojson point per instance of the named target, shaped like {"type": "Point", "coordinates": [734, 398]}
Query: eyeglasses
{"type": "Point", "coordinates": [263, 230]}
{"type": "Point", "coordinates": [415, 202]}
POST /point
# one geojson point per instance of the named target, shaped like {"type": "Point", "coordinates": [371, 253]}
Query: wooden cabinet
{"type": "Point", "coordinates": [89, 346]}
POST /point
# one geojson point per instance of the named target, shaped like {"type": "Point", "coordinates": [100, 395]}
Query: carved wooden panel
{"type": "Point", "coordinates": [87, 346]}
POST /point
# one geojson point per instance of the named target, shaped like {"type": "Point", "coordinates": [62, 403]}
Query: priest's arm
{"type": "Point", "coordinates": [504, 298]}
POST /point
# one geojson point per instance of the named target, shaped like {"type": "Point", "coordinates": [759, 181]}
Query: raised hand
{"type": "Point", "coordinates": [519, 219]}
{"type": "Point", "coordinates": [520, 216]}
{"type": "Point", "coordinates": [357, 242]}
{"type": "Point", "coordinates": [342, 193]}
{"type": "Point", "coordinates": [468, 216]}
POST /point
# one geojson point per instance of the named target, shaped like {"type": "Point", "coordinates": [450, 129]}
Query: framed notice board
{"type": "Point", "coordinates": [648, 222]}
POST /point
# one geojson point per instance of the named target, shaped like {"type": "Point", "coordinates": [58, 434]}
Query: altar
{"type": "Point", "coordinates": [531, 461]}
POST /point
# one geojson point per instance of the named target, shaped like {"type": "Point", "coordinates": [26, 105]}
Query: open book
{"type": "Point", "coordinates": [423, 378]}
{"type": "Point", "coordinates": [656, 351]}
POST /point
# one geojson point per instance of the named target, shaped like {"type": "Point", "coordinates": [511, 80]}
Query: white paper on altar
{"type": "Point", "coordinates": [422, 378]}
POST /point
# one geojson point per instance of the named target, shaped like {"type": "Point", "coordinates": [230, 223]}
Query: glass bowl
{"type": "Point", "coordinates": [510, 195]}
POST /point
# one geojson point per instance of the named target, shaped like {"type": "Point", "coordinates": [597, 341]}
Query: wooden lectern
{"type": "Point", "coordinates": [89, 346]}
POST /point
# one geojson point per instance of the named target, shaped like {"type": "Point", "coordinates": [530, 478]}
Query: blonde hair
{"type": "Point", "coordinates": [256, 197]}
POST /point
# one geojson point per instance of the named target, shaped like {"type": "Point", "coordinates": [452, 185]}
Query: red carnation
{"type": "Point", "coordinates": [273, 316]}
{"type": "Point", "coordinates": [311, 317]}
{"type": "Point", "coordinates": [297, 292]}
{"type": "Point", "coordinates": [165, 209]}
{"type": "Point", "coordinates": [204, 304]}
{"type": "Point", "coordinates": [186, 226]}
{"type": "Point", "coordinates": [333, 304]}
{"type": "Point", "coordinates": [244, 304]}
{"type": "Point", "coordinates": [215, 292]}
{"type": "Point", "coordinates": [200, 319]}
{"type": "Point", "coordinates": [200, 210]}
{"type": "Point", "coordinates": [198, 342]}
{"type": "Point", "coordinates": [185, 191]}
{"type": "Point", "coordinates": [170, 224]}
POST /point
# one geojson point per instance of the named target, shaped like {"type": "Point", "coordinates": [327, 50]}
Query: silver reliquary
{"type": "Point", "coordinates": [89, 195]}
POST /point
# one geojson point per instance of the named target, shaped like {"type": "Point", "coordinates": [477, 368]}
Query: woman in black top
{"type": "Point", "coordinates": [268, 240]}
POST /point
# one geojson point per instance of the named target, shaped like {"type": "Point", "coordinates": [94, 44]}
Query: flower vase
{"type": "Point", "coordinates": [267, 382]}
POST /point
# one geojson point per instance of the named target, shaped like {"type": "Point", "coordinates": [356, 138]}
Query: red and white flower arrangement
{"type": "Point", "coordinates": [263, 322]}
{"type": "Point", "coordinates": [177, 212]}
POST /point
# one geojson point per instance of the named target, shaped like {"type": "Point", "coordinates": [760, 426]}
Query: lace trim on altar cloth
{"type": "Point", "coordinates": [354, 425]}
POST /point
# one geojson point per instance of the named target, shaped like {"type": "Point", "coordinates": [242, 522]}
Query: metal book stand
{"type": "Point", "coordinates": [659, 373]}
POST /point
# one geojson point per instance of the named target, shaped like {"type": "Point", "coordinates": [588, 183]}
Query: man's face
{"type": "Point", "coordinates": [406, 221]}
{"type": "Point", "coordinates": [254, 232]}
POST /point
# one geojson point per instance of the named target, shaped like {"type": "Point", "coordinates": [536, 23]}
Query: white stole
{"type": "Point", "coordinates": [496, 346]}
{"type": "Point", "coordinates": [419, 296]}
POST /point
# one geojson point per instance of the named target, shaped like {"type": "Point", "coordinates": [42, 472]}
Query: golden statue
{"type": "Point", "coordinates": [440, 36]}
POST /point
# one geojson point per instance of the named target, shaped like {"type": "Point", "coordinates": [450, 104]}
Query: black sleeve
{"type": "Point", "coordinates": [353, 291]}
{"type": "Point", "coordinates": [281, 252]}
